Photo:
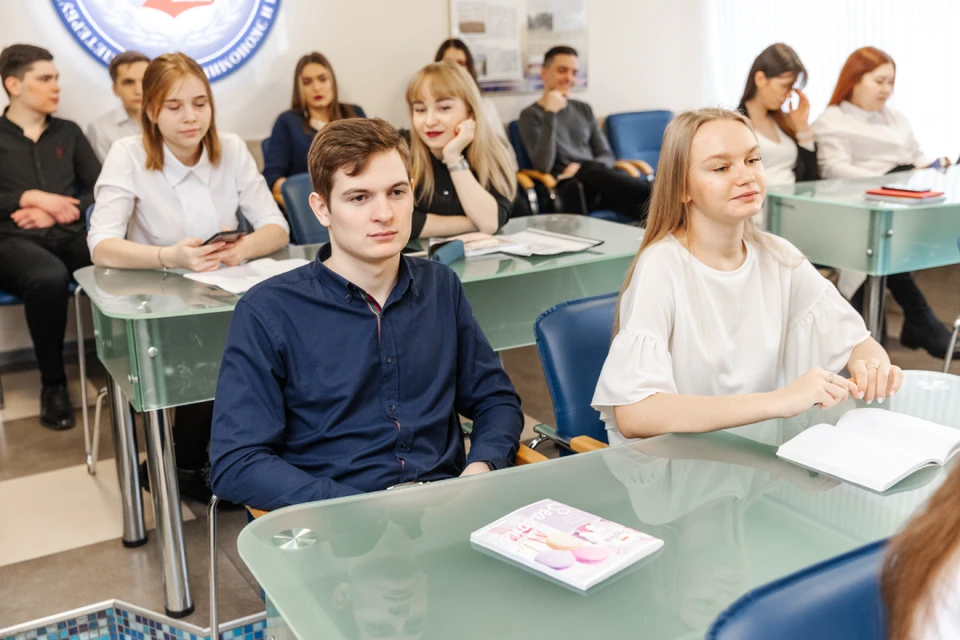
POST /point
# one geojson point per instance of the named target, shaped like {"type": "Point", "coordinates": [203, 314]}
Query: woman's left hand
{"type": "Point", "coordinates": [233, 253]}
{"type": "Point", "coordinates": [465, 131]}
{"type": "Point", "coordinates": [801, 115]}
{"type": "Point", "coordinates": [876, 379]}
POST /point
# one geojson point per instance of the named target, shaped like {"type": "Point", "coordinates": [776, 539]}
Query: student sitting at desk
{"type": "Point", "coordinates": [860, 136]}
{"type": "Point", "coordinates": [456, 51]}
{"type": "Point", "coordinates": [126, 71]}
{"type": "Point", "coordinates": [719, 324]}
{"type": "Point", "coordinates": [465, 178]}
{"type": "Point", "coordinates": [327, 386]}
{"type": "Point", "coordinates": [161, 194]}
{"type": "Point", "coordinates": [315, 102]}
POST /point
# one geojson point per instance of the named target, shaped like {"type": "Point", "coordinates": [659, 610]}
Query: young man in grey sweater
{"type": "Point", "coordinates": [562, 137]}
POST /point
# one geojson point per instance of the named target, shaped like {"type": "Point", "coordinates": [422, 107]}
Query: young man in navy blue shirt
{"type": "Point", "coordinates": [348, 375]}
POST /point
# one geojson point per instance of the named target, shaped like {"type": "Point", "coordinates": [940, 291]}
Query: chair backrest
{"type": "Point", "coordinates": [304, 226]}
{"type": "Point", "coordinates": [265, 146]}
{"type": "Point", "coordinates": [523, 160]}
{"type": "Point", "coordinates": [573, 339]}
{"type": "Point", "coordinates": [838, 599]}
{"type": "Point", "coordinates": [637, 135]}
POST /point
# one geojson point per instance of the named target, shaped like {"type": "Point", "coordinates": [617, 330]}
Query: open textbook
{"type": "Point", "coordinates": [873, 448]}
{"type": "Point", "coordinates": [529, 242]}
{"type": "Point", "coordinates": [564, 544]}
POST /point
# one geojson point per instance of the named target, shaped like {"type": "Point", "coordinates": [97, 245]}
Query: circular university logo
{"type": "Point", "coordinates": [221, 35]}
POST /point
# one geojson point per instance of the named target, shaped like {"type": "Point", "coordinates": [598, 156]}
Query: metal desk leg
{"type": "Point", "coordinates": [873, 305]}
{"type": "Point", "coordinates": [166, 501]}
{"type": "Point", "coordinates": [125, 443]}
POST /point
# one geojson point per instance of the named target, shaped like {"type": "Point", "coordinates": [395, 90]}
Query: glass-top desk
{"type": "Point", "coordinates": [834, 225]}
{"type": "Point", "coordinates": [161, 336]}
{"type": "Point", "coordinates": [732, 515]}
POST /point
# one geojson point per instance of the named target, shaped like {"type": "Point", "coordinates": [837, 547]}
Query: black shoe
{"type": "Point", "coordinates": [195, 483]}
{"type": "Point", "coordinates": [55, 410]}
{"type": "Point", "coordinates": [144, 476]}
{"type": "Point", "coordinates": [929, 334]}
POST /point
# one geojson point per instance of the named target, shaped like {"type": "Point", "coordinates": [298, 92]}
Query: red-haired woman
{"type": "Point", "coordinates": [860, 136]}
{"type": "Point", "coordinates": [921, 577]}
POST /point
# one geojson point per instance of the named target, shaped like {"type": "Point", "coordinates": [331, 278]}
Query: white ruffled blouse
{"type": "Point", "coordinates": [688, 329]}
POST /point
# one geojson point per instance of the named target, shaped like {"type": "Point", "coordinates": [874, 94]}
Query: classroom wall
{"type": "Point", "coordinates": [643, 54]}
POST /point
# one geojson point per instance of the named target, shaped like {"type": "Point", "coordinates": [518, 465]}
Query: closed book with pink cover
{"type": "Point", "coordinates": [565, 544]}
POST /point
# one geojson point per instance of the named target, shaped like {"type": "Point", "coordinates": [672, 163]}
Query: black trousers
{"type": "Point", "coordinates": [37, 267]}
{"type": "Point", "coordinates": [916, 309]}
{"type": "Point", "coordinates": [191, 434]}
{"type": "Point", "coordinates": [607, 188]}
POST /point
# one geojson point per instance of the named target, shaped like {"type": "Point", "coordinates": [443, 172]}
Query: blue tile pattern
{"type": "Point", "coordinates": [117, 623]}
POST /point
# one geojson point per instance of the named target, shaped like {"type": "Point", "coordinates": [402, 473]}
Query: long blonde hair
{"type": "Point", "coordinates": [487, 154]}
{"type": "Point", "coordinates": [668, 211]}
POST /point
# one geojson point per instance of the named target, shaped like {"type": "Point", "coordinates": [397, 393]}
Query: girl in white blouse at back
{"type": "Point", "coordinates": [162, 194]}
{"type": "Point", "coordinates": [718, 324]}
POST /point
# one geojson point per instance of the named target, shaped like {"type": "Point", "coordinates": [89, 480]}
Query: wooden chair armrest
{"type": "Point", "coordinates": [256, 513]}
{"type": "Point", "coordinates": [627, 167]}
{"type": "Point", "coordinates": [582, 444]}
{"type": "Point", "coordinates": [526, 455]}
{"type": "Point", "coordinates": [545, 179]}
{"type": "Point", "coordinates": [642, 165]}
{"type": "Point", "coordinates": [525, 181]}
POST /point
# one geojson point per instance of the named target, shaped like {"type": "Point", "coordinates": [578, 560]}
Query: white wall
{"type": "Point", "coordinates": [643, 54]}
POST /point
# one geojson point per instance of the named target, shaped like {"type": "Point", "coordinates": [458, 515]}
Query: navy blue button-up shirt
{"type": "Point", "coordinates": [321, 394]}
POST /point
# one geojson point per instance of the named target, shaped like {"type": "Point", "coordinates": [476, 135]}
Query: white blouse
{"type": "Point", "coordinates": [943, 623]}
{"type": "Point", "coordinates": [160, 208]}
{"type": "Point", "coordinates": [779, 156]}
{"type": "Point", "coordinates": [855, 143]}
{"type": "Point", "coordinates": [688, 329]}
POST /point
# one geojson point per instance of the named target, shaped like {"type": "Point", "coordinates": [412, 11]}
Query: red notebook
{"type": "Point", "coordinates": [910, 195]}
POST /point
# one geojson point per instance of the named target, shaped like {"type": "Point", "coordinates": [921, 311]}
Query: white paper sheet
{"type": "Point", "coordinates": [243, 277]}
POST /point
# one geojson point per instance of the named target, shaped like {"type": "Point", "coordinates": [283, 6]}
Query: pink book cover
{"type": "Point", "coordinates": [565, 544]}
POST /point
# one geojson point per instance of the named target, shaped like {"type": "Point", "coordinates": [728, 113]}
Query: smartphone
{"type": "Point", "coordinates": [224, 236]}
{"type": "Point", "coordinates": [907, 187]}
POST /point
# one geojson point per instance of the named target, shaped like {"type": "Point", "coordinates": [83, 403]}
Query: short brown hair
{"type": "Point", "coordinates": [17, 59]}
{"type": "Point", "coordinates": [123, 58]}
{"type": "Point", "coordinates": [161, 75]}
{"type": "Point", "coordinates": [349, 144]}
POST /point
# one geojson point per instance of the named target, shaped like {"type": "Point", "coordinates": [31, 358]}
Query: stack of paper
{"type": "Point", "coordinates": [243, 277]}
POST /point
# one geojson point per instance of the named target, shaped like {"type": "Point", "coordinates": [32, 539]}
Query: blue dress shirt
{"type": "Point", "coordinates": [322, 395]}
{"type": "Point", "coordinates": [289, 143]}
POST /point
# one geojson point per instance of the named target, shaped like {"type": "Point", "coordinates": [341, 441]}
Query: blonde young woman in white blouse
{"type": "Point", "coordinates": [720, 325]}
{"type": "Point", "coordinates": [162, 194]}
{"type": "Point", "coordinates": [860, 136]}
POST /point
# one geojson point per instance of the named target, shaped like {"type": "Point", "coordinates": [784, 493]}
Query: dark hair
{"type": "Point", "coordinates": [349, 144]}
{"type": "Point", "coordinates": [459, 45]}
{"type": "Point", "coordinates": [297, 103]}
{"type": "Point", "coordinates": [559, 50]}
{"type": "Point", "coordinates": [124, 58]}
{"type": "Point", "coordinates": [860, 63]}
{"type": "Point", "coordinates": [17, 59]}
{"type": "Point", "coordinates": [775, 60]}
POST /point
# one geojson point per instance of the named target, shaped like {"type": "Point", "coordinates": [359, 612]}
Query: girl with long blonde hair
{"type": "Point", "coordinates": [719, 324]}
{"type": "Point", "coordinates": [464, 176]}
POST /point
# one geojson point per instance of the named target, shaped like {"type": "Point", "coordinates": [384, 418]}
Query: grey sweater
{"type": "Point", "coordinates": [554, 140]}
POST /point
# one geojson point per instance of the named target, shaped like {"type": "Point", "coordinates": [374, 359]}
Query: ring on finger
{"type": "Point", "coordinates": [872, 366]}
{"type": "Point", "coordinates": [830, 379]}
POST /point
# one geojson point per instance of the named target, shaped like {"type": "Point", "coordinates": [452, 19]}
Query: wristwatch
{"type": "Point", "coordinates": [460, 165]}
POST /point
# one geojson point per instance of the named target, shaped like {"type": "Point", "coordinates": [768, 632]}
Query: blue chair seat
{"type": "Point", "coordinates": [637, 135]}
{"type": "Point", "coordinates": [838, 599]}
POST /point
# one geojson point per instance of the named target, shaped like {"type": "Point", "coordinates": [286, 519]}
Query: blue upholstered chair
{"type": "Point", "coordinates": [265, 146]}
{"type": "Point", "coordinates": [573, 339]}
{"type": "Point", "coordinates": [637, 135]}
{"type": "Point", "coordinates": [304, 226]}
{"type": "Point", "coordinates": [545, 185]}
{"type": "Point", "coordinates": [838, 599]}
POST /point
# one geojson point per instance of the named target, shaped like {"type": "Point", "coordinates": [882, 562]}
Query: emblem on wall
{"type": "Point", "coordinates": [221, 35]}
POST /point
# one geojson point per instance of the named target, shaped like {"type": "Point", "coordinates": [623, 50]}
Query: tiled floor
{"type": "Point", "coordinates": [43, 488]}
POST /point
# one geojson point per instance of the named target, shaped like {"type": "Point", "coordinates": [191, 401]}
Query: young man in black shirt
{"type": "Point", "coordinates": [47, 173]}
